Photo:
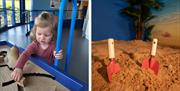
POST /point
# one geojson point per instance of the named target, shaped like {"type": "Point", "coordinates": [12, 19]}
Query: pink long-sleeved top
{"type": "Point", "coordinates": [34, 48]}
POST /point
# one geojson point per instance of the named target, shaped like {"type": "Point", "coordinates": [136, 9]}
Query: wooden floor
{"type": "Point", "coordinates": [78, 66]}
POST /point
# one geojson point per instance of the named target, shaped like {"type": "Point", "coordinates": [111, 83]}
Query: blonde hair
{"type": "Point", "coordinates": [44, 19]}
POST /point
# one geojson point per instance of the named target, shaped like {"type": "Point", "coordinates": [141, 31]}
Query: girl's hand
{"type": "Point", "coordinates": [58, 55]}
{"type": "Point", "coordinates": [16, 74]}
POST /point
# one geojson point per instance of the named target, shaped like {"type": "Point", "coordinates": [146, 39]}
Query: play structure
{"type": "Point", "coordinates": [61, 77]}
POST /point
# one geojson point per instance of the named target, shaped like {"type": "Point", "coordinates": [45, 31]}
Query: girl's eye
{"type": "Point", "coordinates": [38, 33]}
{"type": "Point", "coordinates": [46, 35]}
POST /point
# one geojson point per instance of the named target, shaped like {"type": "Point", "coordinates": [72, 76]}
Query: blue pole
{"type": "Point", "coordinates": [22, 10]}
{"type": "Point", "coordinates": [60, 23]}
{"type": "Point", "coordinates": [5, 12]}
{"type": "Point", "coordinates": [73, 21]}
{"type": "Point", "coordinates": [13, 14]}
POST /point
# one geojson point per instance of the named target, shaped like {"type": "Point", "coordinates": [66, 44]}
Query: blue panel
{"type": "Point", "coordinates": [45, 5]}
{"type": "Point", "coordinates": [6, 43]}
{"type": "Point", "coordinates": [65, 79]}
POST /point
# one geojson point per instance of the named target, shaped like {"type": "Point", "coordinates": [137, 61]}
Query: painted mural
{"type": "Point", "coordinates": [167, 24]}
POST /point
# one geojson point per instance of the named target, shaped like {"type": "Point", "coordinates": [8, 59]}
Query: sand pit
{"type": "Point", "coordinates": [32, 83]}
{"type": "Point", "coordinates": [130, 55]}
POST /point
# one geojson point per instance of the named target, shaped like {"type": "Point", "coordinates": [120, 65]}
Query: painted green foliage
{"type": "Point", "coordinates": [140, 11]}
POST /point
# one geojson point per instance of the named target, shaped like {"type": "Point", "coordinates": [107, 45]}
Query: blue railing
{"type": "Point", "coordinates": [64, 78]}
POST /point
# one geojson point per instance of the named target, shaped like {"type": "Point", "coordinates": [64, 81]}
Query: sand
{"type": "Point", "coordinates": [130, 55]}
{"type": "Point", "coordinates": [33, 83]}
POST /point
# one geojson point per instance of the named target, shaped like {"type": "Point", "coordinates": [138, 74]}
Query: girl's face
{"type": "Point", "coordinates": [43, 35]}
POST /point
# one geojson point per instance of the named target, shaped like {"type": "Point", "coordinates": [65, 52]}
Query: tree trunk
{"type": "Point", "coordinates": [140, 29]}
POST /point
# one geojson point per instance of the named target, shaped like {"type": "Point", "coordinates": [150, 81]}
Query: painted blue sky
{"type": "Point", "coordinates": [169, 7]}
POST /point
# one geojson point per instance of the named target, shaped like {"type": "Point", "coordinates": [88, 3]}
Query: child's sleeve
{"type": "Point", "coordinates": [25, 55]}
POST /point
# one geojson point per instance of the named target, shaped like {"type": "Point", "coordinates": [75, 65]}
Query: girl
{"type": "Point", "coordinates": [43, 45]}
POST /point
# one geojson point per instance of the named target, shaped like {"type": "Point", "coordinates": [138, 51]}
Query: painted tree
{"type": "Point", "coordinates": [140, 11]}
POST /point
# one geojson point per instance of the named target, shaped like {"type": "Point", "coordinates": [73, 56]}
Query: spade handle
{"type": "Point", "coordinates": [111, 48]}
{"type": "Point", "coordinates": [154, 47]}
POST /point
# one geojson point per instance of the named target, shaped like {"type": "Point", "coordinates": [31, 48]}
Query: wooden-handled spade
{"type": "Point", "coordinates": [151, 62]}
{"type": "Point", "coordinates": [112, 67]}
